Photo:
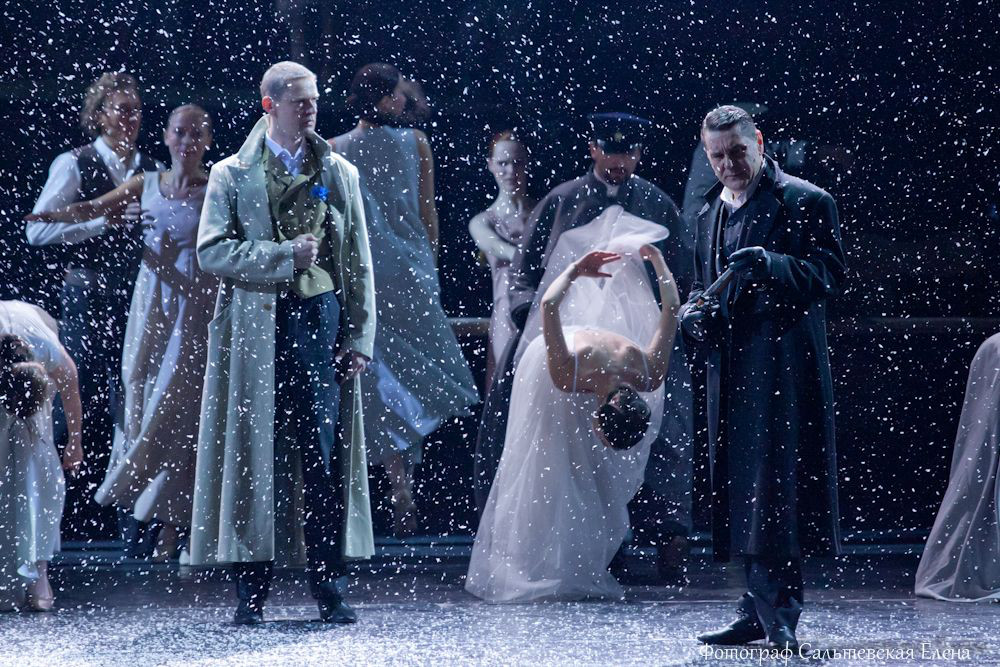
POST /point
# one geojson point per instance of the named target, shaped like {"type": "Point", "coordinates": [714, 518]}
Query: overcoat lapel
{"type": "Point", "coordinates": [762, 212]}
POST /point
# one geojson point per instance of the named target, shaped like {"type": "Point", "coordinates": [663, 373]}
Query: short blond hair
{"type": "Point", "coordinates": [279, 75]}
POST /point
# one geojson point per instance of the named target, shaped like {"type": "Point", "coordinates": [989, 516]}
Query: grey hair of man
{"type": "Point", "coordinates": [728, 116]}
{"type": "Point", "coordinates": [279, 76]}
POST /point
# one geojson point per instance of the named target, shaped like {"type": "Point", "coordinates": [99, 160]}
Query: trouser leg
{"type": "Point", "coordinates": [308, 331]}
{"type": "Point", "coordinates": [776, 590]}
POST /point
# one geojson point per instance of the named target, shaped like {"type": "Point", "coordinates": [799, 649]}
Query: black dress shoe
{"type": "Point", "coordinates": [335, 610]}
{"type": "Point", "coordinates": [247, 614]}
{"type": "Point", "coordinates": [742, 631]}
{"type": "Point", "coordinates": [782, 637]}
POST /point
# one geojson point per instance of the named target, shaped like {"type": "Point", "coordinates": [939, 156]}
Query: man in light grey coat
{"type": "Point", "coordinates": [281, 470]}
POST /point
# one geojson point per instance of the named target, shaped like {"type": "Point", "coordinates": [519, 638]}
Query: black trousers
{"type": "Point", "coordinates": [95, 311]}
{"type": "Point", "coordinates": [774, 591]}
{"type": "Point", "coordinates": [307, 403]}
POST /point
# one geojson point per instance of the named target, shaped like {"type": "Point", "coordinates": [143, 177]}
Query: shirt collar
{"type": "Point", "coordinates": [282, 152]}
{"type": "Point", "coordinates": [734, 201]}
{"type": "Point", "coordinates": [111, 158]}
{"type": "Point", "coordinates": [611, 189]}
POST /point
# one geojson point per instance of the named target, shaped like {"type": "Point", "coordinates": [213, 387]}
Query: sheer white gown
{"type": "Point", "coordinates": [32, 487]}
{"type": "Point", "coordinates": [557, 510]}
{"type": "Point", "coordinates": [961, 560]}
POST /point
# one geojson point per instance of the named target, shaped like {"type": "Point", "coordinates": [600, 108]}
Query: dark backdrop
{"type": "Point", "coordinates": [896, 99]}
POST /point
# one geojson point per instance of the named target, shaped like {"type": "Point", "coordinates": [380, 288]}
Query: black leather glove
{"type": "Point", "coordinates": [697, 319]}
{"type": "Point", "coordinates": [754, 262]}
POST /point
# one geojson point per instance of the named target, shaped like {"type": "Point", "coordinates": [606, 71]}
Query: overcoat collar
{"type": "Point", "coordinates": [251, 153]}
{"type": "Point", "coordinates": [761, 212]}
{"type": "Point", "coordinates": [763, 205]}
{"type": "Point", "coordinates": [250, 160]}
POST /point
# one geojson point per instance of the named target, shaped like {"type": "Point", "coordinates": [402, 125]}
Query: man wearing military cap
{"type": "Point", "coordinates": [616, 144]}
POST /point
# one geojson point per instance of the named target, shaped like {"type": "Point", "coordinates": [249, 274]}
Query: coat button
{"type": "Point", "coordinates": [267, 306]}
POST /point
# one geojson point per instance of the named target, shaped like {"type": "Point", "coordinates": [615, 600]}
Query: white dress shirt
{"type": "Point", "coordinates": [293, 163]}
{"type": "Point", "coordinates": [63, 188]}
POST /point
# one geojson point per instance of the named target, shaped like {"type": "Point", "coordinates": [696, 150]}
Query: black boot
{"type": "Point", "coordinates": [332, 608]}
{"type": "Point", "coordinates": [248, 613]}
{"type": "Point", "coordinates": [782, 637]}
{"type": "Point", "coordinates": [253, 582]}
{"type": "Point", "coordinates": [745, 629]}
{"type": "Point", "coordinates": [335, 610]}
{"type": "Point", "coordinates": [740, 631]}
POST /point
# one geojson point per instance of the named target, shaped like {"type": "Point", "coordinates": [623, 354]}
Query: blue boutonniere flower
{"type": "Point", "coordinates": [319, 192]}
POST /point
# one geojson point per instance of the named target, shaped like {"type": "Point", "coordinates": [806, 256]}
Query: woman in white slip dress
{"type": "Point", "coordinates": [419, 377]}
{"type": "Point", "coordinates": [557, 510]}
{"type": "Point", "coordinates": [498, 230]}
{"type": "Point", "coordinates": [151, 471]}
{"type": "Point", "coordinates": [33, 367]}
{"type": "Point", "coordinates": [961, 560]}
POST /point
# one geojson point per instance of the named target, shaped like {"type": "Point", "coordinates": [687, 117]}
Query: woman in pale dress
{"type": "Point", "coordinates": [498, 231]}
{"type": "Point", "coordinates": [34, 366]}
{"type": "Point", "coordinates": [961, 560]}
{"type": "Point", "coordinates": [580, 428]}
{"type": "Point", "coordinates": [419, 377]}
{"type": "Point", "coordinates": [151, 471]}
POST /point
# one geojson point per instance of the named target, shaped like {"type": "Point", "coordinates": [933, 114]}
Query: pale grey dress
{"type": "Point", "coordinates": [961, 560]}
{"type": "Point", "coordinates": [152, 464]}
{"type": "Point", "coordinates": [418, 377]}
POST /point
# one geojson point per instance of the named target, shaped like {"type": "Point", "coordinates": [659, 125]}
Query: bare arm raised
{"type": "Point", "coordinates": [658, 351]}
{"type": "Point", "coordinates": [559, 357]}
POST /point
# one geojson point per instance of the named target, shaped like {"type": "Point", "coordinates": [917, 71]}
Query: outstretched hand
{"type": "Point", "coordinates": [590, 265]}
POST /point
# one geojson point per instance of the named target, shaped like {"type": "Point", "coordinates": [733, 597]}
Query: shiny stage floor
{"type": "Point", "coordinates": [412, 609]}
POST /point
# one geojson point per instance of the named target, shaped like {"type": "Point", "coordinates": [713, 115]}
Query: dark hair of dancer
{"type": "Point", "coordinates": [624, 425]}
{"type": "Point", "coordinates": [369, 86]}
{"type": "Point", "coordinates": [13, 349]}
{"type": "Point", "coordinates": [98, 92]}
{"type": "Point", "coordinates": [23, 388]}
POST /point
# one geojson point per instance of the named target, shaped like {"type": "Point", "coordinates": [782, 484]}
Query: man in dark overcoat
{"type": "Point", "coordinates": [770, 392]}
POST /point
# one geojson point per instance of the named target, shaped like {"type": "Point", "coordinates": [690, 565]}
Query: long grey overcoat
{"type": "Point", "coordinates": [247, 507]}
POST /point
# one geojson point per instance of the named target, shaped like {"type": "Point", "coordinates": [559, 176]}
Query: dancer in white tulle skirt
{"type": "Point", "coordinates": [579, 430]}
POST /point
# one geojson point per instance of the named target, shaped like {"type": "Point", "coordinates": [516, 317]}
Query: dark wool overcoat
{"type": "Point", "coordinates": [770, 392]}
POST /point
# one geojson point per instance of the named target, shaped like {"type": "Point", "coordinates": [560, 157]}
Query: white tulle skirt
{"type": "Point", "coordinates": [557, 511]}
